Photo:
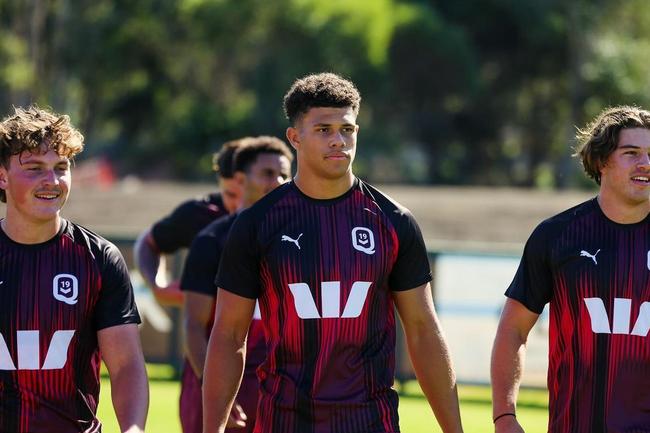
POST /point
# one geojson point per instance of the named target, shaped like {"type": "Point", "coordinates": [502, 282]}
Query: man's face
{"type": "Point", "coordinates": [231, 193]}
{"type": "Point", "coordinates": [325, 139]}
{"type": "Point", "coordinates": [37, 185]}
{"type": "Point", "coordinates": [626, 174]}
{"type": "Point", "coordinates": [265, 174]}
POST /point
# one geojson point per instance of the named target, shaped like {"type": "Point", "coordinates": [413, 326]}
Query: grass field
{"type": "Point", "coordinates": [415, 415]}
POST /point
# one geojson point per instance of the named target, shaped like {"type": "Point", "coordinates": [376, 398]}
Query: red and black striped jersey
{"type": "Point", "coordinates": [595, 274]}
{"type": "Point", "coordinates": [54, 297]}
{"type": "Point", "coordinates": [323, 272]}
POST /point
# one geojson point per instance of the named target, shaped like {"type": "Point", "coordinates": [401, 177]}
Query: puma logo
{"type": "Point", "coordinates": [584, 253]}
{"type": "Point", "coordinates": [288, 239]}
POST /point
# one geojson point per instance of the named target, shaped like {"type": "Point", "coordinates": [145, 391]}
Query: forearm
{"type": "Point", "coordinates": [224, 366]}
{"type": "Point", "coordinates": [432, 363]}
{"type": "Point", "coordinates": [130, 396]}
{"type": "Point", "coordinates": [508, 355]}
{"type": "Point", "coordinates": [196, 345]}
{"type": "Point", "coordinates": [147, 259]}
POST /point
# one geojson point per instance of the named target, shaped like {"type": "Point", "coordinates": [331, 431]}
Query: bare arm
{"type": "Point", "coordinates": [508, 354]}
{"type": "Point", "coordinates": [429, 355]}
{"type": "Point", "coordinates": [121, 351]}
{"type": "Point", "coordinates": [224, 363]}
{"type": "Point", "coordinates": [198, 311]}
{"type": "Point", "coordinates": [152, 266]}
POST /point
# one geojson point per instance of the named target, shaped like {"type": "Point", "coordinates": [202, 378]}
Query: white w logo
{"type": "Point", "coordinates": [29, 351]}
{"type": "Point", "coordinates": [621, 322]}
{"type": "Point", "coordinates": [330, 300]}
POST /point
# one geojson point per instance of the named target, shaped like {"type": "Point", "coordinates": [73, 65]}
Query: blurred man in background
{"type": "Point", "coordinates": [260, 165]}
{"type": "Point", "coordinates": [328, 257]}
{"type": "Point", "coordinates": [177, 230]}
{"type": "Point", "coordinates": [65, 294]}
{"type": "Point", "coordinates": [592, 264]}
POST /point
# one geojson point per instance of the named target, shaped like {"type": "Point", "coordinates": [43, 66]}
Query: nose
{"type": "Point", "coordinates": [337, 140]}
{"type": "Point", "coordinates": [645, 161]}
{"type": "Point", "coordinates": [50, 177]}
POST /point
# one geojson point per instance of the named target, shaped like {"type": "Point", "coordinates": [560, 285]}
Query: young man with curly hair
{"type": "Point", "coordinates": [66, 299]}
{"type": "Point", "coordinates": [328, 257]}
{"type": "Point", "coordinates": [591, 263]}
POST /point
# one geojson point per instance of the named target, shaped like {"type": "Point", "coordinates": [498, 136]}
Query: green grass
{"type": "Point", "coordinates": [415, 415]}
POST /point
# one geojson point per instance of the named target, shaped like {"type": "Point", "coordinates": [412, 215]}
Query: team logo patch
{"type": "Point", "coordinates": [363, 240]}
{"type": "Point", "coordinates": [65, 288]}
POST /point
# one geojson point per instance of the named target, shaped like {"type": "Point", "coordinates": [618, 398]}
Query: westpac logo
{"type": "Point", "coordinates": [29, 351]}
{"type": "Point", "coordinates": [330, 300]}
{"type": "Point", "coordinates": [621, 317]}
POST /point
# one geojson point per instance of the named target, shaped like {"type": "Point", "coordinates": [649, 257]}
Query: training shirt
{"type": "Point", "coordinates": [54, 297]}
{"type": "Point", "coordinates": [178, 229]}
{"type": "Point", "coordinates": [323, 272]}
{"type": "Point", "coordinates": [200, 271]}
{"type": "Point", "coordinates": [596, 275]}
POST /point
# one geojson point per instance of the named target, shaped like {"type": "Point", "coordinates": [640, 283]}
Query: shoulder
{"type": "Point", "coordinates": [101, 249]}
{"type": "Point", "coordinates": [210, 203]}
{"type": "Point", "coordinates": [260, 209]}
{"type": "Point", "coordinates": [391, 208]}
{"type": "Point", "coordinates": [553, 227]}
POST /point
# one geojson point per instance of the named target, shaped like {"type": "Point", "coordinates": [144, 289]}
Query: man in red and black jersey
{"type": "Point", "coordinates": [66, 299]}
{"type": "Point", "coordinates": [174, 232]}
{"type": "Point", "coordinates": [177, 230]}
{"type": "Point", "coordinates": [327, 256]}
{"type": "Point", "coordinates": [591, 263]}
{"type": "Point", "coordinates": [260, 165]}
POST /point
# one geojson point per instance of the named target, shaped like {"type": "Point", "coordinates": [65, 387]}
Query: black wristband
{"type": "Point", "coordinates": [502, 415]}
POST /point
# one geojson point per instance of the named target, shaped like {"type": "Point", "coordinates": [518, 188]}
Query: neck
{"type": "Point", "coordinates": [623, 213]}
{"type": "Point", "coordinates": [30, 232]}
{"type": "Point", "coordinates": [321, 188]}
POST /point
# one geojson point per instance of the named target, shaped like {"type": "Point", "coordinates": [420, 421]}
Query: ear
{"type": "Point", "coordinates": [4, 177]}
{"type": "Point", "coordinates": [294, 137]}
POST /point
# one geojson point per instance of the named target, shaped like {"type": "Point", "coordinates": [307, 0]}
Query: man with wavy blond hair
{"type": "Point", "coordinates": [66, 300]}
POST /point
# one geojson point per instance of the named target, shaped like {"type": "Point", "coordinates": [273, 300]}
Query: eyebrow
{"type": "Point", "coordinates": [330, 124]}
{"type": "Point", "coordinates": [631, 146]}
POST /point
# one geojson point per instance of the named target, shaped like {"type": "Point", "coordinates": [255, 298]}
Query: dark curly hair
{"type": "Point", "coordinates": [251, 147]}
{"type": "Point", "coordinates": [598, 140]}
{"type": "Point", "coordinates": [222, 160]}
{"type": "Point", "coordinates": [320, 90]}
{"type": "Point", "coordinates": [31, 128]}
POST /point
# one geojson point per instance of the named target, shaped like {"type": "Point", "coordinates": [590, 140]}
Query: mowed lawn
{"type": "Point", "coordinates": [415, 415]}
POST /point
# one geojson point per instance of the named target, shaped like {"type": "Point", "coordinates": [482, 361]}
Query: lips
{"type": "Point", "coordinates": [644, 179]}
{"type": "Point", "coordinates": [47, 195]}
{"type": "Point", "coordinates": [337, 155]}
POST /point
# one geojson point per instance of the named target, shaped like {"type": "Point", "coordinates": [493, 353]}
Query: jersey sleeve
{"type": "Point", "coordinates": [176, 230]}
{"type": "Point", "coordinates": [116, 303]}
{"type": "Point", "coordinates": [411, 268]}
{"type": "Point", "coordinates": [201, 266]}
{"type": "Point", "coordinates": [532, 285]}
{"type": "Point", "coordinates": [239, 268]}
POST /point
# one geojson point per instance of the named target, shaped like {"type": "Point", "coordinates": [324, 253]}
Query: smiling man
{"type": "Point", "coordinates": [328, 257]}
{"type": "Point", "coordinates": [66, 298]}
{"type": "Point", "coordinates": [592, 264]}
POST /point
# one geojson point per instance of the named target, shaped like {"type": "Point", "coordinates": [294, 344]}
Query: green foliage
{"type": "Point", "coordinates": [483, 91]}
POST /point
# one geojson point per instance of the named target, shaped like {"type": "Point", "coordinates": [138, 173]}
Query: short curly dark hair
{"type": "Point", "coordinates": [222, 160]}
{"type": "Point", "coordinates": [598, 140]}
{"type": "Point", "coordinates": [320, 90]}
{"type": "Point", "coordinates": [251, 147]}
{"type": "Point", "coordinates": [28, 129]}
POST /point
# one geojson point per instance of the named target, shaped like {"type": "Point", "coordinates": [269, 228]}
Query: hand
{"type": "Point", "coordinates": [508, 424]}
{"type": "Point", "coordinates": [170, 295]}
{"type": "Point", "coordinates": [237, 418]}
